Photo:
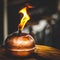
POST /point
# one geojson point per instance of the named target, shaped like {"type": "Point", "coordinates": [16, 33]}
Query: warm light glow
{"type": "Point", "coordinates": [25, 17]}
{"type": "Point", "coordinates": [47, 52]}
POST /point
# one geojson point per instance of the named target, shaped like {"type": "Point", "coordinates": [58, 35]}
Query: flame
{"type": "Point", "coordinates": [25, 17]}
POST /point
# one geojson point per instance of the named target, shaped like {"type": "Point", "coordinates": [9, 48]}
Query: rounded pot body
{"type": "Point", "coordinates": [20, 44]}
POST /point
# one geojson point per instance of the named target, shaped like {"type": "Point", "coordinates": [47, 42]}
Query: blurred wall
{"type": "Point", "coordinates": [1, 21]}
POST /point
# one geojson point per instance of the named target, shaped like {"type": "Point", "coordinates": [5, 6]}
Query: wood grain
{"type": "Point", "coordinates": [48, 52]}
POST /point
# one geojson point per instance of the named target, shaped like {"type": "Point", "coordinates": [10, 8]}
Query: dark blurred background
{"type": "Point", "coordinates": [47, 10]}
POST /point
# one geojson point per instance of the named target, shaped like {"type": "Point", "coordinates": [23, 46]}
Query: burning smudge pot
{"type": "Point", "coordinates": [20, 44]}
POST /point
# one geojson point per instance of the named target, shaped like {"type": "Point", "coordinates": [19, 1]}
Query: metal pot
{"type": "Point", "coordinates": [20, 44]}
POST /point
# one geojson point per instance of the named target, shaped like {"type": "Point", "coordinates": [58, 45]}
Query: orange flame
{"type": "Point", "coordinates": [25, 17]}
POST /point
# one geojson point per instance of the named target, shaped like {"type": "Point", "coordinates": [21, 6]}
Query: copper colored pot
{"type": "Point", "coordinates": [20, 44]}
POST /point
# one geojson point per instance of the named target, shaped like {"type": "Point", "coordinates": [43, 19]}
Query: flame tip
{"type": "Point", "coordinates": [24, 19]}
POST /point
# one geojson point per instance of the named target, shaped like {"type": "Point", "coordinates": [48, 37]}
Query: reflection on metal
{"type": "Point", "coordinates": [5, 26]}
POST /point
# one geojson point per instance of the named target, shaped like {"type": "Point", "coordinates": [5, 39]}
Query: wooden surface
{"type": "Point", "coordinates": [41, 53]}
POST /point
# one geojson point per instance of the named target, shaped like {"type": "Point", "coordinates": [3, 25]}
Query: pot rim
{"type": "Point", "coordinates": [21, 50]}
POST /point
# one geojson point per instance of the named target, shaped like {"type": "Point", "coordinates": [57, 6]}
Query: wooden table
{"type": "Point", "coordinates": [41, 53]}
